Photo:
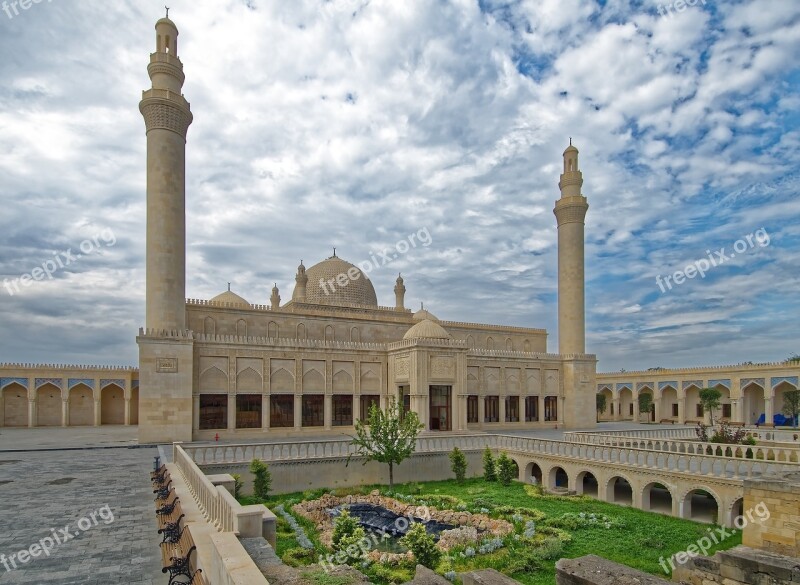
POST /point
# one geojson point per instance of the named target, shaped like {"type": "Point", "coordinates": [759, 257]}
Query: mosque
{"type": "Point", "coordinates": [311, 366]}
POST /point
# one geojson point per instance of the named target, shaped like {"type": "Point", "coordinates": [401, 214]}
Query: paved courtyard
{"type": "Point", "coordinates": [42, 491]}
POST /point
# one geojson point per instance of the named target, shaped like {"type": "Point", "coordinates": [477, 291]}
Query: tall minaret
{"type": "Point", "coordinates": [399, 294]}
{"type": "Point", "coordinates": [570, 212]}
{"type": "Point", "coordinates": [301, 281]}
{"type": "Point", "coordinates": [167, 118]}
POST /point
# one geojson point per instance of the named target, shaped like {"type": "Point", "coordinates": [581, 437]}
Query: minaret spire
{"type": "Point", "coordinates": [570, 213]}
{"type": "Point", "coordinates": [167, 117]}
{"type": "Point", "coordinates": [399, 294]}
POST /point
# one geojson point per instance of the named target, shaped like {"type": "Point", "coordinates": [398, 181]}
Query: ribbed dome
{"type": "Point", "coordinates": [230, 298]}
{"type": "Point", "coordinates": [423, 314]}
{"type": "Point", "coordinates": [356, 291]}
{"type": "Point", "coordinates": [427, 329]}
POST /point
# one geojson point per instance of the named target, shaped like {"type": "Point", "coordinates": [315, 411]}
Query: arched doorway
{"type": "Point", "coordinates": [753, 403]}
{"type": "Point", "coordinates": [626, 408]}
{"type": "Point", "coordinates": [778, 402]}
{"type": "Point", "coordinates": [586, 484]}
{"type": "Point", "coordinates": [558, 479]}
{"type": "Point", "coordinates": [607, 414]}
{"type": "Point", "coordinates": [112, 405]}
{"type": "Point", "coordinates": [48, 406]}
{"type": "Point", "coordinates": [656, 497]}
{"type": "Point", "coordinates": [534, 473]}
{"type": "Point", "coordinates": [669, 403]}
{"type": "Point", "coordinates": [736, 517]}
{"type": "Point", "coordinates": [693, 409]}
{"type": "Point", "coordinates": [701, 506]}
{"type": "Point", "coordinates": [15, 406]}
{"type": "Point", "coordinates": [81, 406]}
{"type": "Point", "coordinates": [619, 491]}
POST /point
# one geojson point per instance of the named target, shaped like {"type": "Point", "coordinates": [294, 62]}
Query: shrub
{"type": "Point", "coordinates": [458, 463]}
{"type": "Point", "coordinates": [506, 469]}
{"type": "Point", "coordinates": [237, 485]}
{"type": "Point", "coordinates": [422, 545]}
{"type": "Point", "coordinates": [299, 533]}
{"type": "Point", "coordinates": [346, 533]}
{"type": "Point", "coordinates": [262, 479]}
{"type": "Point", "coordinates": [489, 471]}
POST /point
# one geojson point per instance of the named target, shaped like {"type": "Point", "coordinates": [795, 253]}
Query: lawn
{"type": "Point", "coordinates": [564, 527]}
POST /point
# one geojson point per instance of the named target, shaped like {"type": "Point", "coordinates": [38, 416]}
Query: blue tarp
{"type": "Point", "coordinates": [778, 420]}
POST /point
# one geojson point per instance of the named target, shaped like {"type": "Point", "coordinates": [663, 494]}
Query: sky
{"type": "Point", "coordinates": [357, 123]}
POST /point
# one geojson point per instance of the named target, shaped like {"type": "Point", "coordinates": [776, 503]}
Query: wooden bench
{"type": "Point", "coordinates": [170, 531]}
{"type": "Point", "coordinates": [161, 478]}
{"type": "Point", "coordinates": [667, 420]}
{"type": "Point", "coordinates": [169, 512]}
{"type": "Point", "coordinates": [176, 559]}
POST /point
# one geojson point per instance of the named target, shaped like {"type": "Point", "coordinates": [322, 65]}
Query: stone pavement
{"type": "Point", "coordinates": [44, 490]}
{"type": "Point", "coordinates": [27, 439]}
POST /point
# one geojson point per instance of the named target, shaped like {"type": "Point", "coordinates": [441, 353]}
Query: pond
{"type": "Point", "coordinates": [389, 527]}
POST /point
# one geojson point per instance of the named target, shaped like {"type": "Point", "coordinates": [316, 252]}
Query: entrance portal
{"type": "Point", "coordinates": [440, 408]}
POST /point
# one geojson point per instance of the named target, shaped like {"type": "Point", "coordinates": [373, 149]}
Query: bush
{"type": "Point", "coordinates": [458, 463]}
{"type": "Point", "coordinates": [422, 545]}
{"type": "Point", "coordinates": [346, 534]}
{"type": "Point", "coordinates": [263, 479]}
{"type": "Point", "coordinates": [531, 559]}
{"type": "Point", "coordinates": [506, 469]}
{"type": "Point", "coordinates": [237, 485]}
{"type": "Point", "coordinates": [489, 472]}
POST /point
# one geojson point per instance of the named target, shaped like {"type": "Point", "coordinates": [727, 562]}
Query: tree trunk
{"type": "Point", "coordinates": [391, 476]}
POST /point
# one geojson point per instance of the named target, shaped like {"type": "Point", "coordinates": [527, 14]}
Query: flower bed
{"type": "Point", "coordinates": [469, 528]}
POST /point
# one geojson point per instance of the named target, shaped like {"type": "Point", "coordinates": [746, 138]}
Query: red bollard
{"type": "Point", "coordinates": [216, 437]}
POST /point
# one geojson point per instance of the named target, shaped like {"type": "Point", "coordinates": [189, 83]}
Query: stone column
{"type": "Point", "coordinates": [97, 412]}
{"type": "Point", "coordinates": [64, 411]}
{"type": "Point", "coordinates": [768, 414]}
{"type": "Point", "coordinates": [265, 412]}
{"type": "Point", "coordinates": [231, 412]}
{"type": "Point", "coordinates": [127, 419]}
{"type": "Point", "coordinates": [328, 414]}
{"type": "Point", "coordinates": [682, 409]}
{"type": "Point", "coordinates": [195, 412]}
{"type": "Point", "coordinates": [31, 413]}
{"type": "Point", "coordinates": [298, 412]}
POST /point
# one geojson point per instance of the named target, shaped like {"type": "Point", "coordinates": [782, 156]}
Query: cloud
{"type": "Point", "coordinates": [353, 123]}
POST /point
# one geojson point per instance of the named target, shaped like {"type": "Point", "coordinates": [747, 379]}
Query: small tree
{"type": "Point", "coordinates": [505, 469]}
{"type": "Point", "coordinates": [262, 481]}
{"type": "Point", "coordinates": [709, 399]}
{"type": "Point", "coordinates": [489, 471]}
{"type": "Point", "coordinates": [237, 484]}
{"type": "Point", "coordinates": [645, 403]}
{"type": "Point", "coordinates": [422, 545]}
{"type": "Point", "coordinates": [386, 437]}
{"type": "Point", "coordinates": [458, 463]}
{"type": "Point", "coordinates": [601, 403]}
{"type": "Point", "coordinates": [791, 405]}
{"type": "Point", "coordinates": [346, 534]}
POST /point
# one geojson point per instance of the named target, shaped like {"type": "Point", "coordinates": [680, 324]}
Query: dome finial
{"type": "Point", "coordinates": [167, 7]}
{"type": "Point", "coordinates": [229, 287]}
{"type": "Point", "coordinates": [334, 252]}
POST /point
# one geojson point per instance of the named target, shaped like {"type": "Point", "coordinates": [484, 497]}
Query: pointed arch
{"type": "Point", "coordinates": [112, 405]}
{"type": "Point", "coordinates": [301, 331]}
{"type": "Point", "coordinates": [249, 380]}
{"type": "Point", "coordinates": [213, 380]}
{"type": "Point", "coordinates": [209, 326]}
{"type": "Point", "coordinates": [48, 406]}
{"type": "Point", "coordinates": [15, 405]}
{"type": "Point", "coordinates": [282, 380]}
{"type": "Point", "coordinates": [241, 328]}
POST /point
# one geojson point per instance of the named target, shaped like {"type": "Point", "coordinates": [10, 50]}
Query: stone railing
{"type": "Point", "coordinates": [711, 465]}
{"type": "Point", "coordinates": [587, 437]}
{"type": "Point", "coordinates": [217, 504]}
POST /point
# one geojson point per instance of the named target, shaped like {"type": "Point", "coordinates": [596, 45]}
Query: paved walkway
{"type": "Point", "coordinates": [44, 490]}
{"type": "Point", "coordinates": [26, 439]}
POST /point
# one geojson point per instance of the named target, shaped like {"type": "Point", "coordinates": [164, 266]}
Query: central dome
{"type": "Point", "coordinates": [337, 282]}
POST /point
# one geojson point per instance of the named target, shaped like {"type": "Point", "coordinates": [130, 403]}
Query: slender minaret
{"type": "Point", "coordinates": [275, 299]}
{"type": "Point", "coordinates": [399, 294]}
{"type": "Point", "coordinates": [167, 117]}
{"type": "Point", "coordinates": [570, 212]}
{"type": "Point", "coordinates": [301, 281]}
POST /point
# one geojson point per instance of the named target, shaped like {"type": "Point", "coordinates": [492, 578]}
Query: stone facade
{"type": "Point", "coordinates": [62, 395]}
{"type": "Point", "coordinates": [748, 391]}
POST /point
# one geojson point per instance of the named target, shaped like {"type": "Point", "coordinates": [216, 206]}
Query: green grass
{"type": "Point", "coordinates": [639, 542]}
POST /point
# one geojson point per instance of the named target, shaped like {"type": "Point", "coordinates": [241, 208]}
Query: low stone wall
{"type": "Point", "coordinates": [594, 570]}
{"type": "Point", "coordinates": [740, 565]}
{"type": "Point", "coordinates": [298, 475]}
{"type": "Point", "coordinates": [230, 563]}
{"type": "Point", "coordinates": [780, 533]}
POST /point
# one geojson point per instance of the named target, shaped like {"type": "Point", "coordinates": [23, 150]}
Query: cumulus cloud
{"type": "Point", "coordinates": [353, 123]}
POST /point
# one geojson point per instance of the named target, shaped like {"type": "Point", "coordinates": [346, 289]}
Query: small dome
{"type": "Point", "coordinates": [324, 288]}
{"type": "Point", "coordinates": [570, 148]}
{"type": "Point", "coordinates": [427, 329]}
{"type": "Point", "coordinates": [230, 298]}
{"type": "Point", "coordinates": [423, 314]}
